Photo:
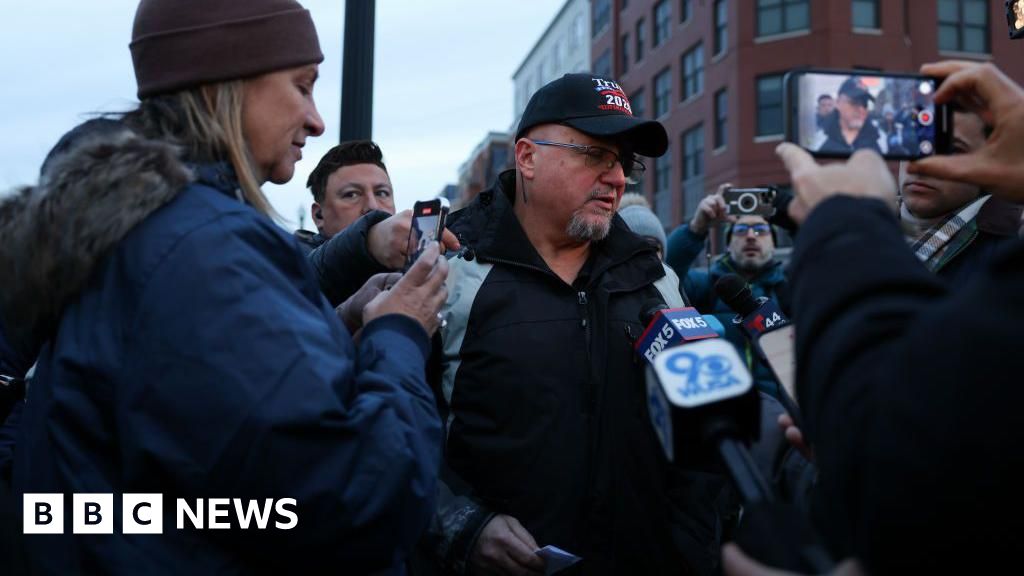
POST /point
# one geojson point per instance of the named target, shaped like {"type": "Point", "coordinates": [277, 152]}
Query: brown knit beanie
{"type": "Point", "coordinates": [179, 44]}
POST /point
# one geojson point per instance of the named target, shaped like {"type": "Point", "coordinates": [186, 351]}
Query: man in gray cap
{"type": "Point", "coordinates": [849, 127]}
{"type": "Point", "coordinates": [548, 437]}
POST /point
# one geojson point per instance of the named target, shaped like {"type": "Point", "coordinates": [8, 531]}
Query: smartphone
{"type": "Point", "coordinates": [750, 201]}
{"type": "Point", "coordinates": [428, 219]}
{"type": "Point", "coordinates": [779, 349]}
{"type": "Point", "coordinates": [832, 113]}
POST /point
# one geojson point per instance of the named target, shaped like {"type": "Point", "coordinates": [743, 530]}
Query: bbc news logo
{"type": "Point", "coordinates": [143, 513]}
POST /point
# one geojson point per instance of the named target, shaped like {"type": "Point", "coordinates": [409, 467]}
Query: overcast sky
{"type": "Point", "coordinates": [442, 80]}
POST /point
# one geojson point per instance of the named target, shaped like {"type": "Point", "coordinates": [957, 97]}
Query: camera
{"type": "Point", "coordinates": [750, 201]}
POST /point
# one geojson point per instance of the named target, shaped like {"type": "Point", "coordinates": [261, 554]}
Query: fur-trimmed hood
{"type": "Point", "coordinates": [99, 183]}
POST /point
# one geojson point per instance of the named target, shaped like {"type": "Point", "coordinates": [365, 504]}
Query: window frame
{"type": "Point", "coordinates": [759, 107]}
{"type": "Point", "coordinates": [878, 17]}
{"type": "Point", "coordinates": [665, 73]}
{"type": "Point", "coordinates": [602, 12]}
{"type": "Point", "coordinates": [641, 39]}
{"type": "Point", "coordinates": [960, 25]}
{"type": "Point", "coordinates": [721, 118]}
{"type": "Point", "coordinates": [696, 73]}
{"type": "Point", "coordinates": [781, 6]}
{"type": "Point", "coordinates": [720, 35]}
{"type": "Point", "coordinates": [695, 154]}
{"type": "Point", "coordinates": [662, 26]}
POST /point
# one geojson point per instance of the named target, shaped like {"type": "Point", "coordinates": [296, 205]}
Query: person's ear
{"type": "Point", "coordinates": [318, 215]}
{"type": "Point", "coordinates": [526, 155]}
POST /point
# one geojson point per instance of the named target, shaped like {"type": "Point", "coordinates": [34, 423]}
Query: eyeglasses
{"type": "Point", "coordinates": [632, 168]}
{"type": "Point", "coordinates": [759, 229]}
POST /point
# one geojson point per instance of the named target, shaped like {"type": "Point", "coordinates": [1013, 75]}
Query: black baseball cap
{"type": "Point", "coordinates": [854, 89]}
{"type": "Point", "coordinates": [597, 107]}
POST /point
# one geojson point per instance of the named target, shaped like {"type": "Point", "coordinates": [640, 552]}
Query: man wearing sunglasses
{"type": "Point", "coordinates": [548, 439]}
{"type": "Point", "coordinates": [751, 254]}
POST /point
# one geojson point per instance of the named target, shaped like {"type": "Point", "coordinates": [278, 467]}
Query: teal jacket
{"type": "Point", "coordinates": [699, 285]}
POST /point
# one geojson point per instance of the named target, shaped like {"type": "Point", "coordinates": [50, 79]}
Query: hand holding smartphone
{"type": "Point", "coordinates": [428, 221]}
{"type": "Point", "coordinates": [833, 113]}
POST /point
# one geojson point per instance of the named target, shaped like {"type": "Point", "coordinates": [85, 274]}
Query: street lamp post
{"type": "Point", "coordinates": [357, 71]}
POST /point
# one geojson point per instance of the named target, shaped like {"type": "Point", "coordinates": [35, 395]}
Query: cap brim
{"type": "Point", "coordinates": [646, 137]}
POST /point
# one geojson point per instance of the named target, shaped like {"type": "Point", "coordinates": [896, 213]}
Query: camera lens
{"type": "Point", "coordinates": [747, 202]}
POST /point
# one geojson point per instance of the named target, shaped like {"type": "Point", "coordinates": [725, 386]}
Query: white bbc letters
{"type": "Point", "coordinates": [92, 514]}
{"type": "Point", "coordinates": [142, 514]}
{"type": "Point", "coordinates": [43, 514]}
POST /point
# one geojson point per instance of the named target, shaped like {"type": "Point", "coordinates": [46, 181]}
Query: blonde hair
{"type": "Point", "coordinates": [207, 122]}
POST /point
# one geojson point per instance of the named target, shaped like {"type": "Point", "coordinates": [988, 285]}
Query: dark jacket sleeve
{"type": "Point", "coordinates": [459, 517]}
{"type": "Point", "coordinates": [344, 263]}
{"type": "Point", "coordinates": [684, 247]}
{"type": "Point", "coordinates": [455, 527]}
{"type": "Point", "coordinates": [909, 395]}
{"type": "Point", "coordinates": [262, 394]}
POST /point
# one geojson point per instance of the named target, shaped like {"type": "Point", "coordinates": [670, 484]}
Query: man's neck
{"type": "Point", "coordinates": [563, 255]}
{"type": "Point", "coordinates": [850, 134]}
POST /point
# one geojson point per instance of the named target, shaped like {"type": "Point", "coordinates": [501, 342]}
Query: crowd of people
{"type": "Point", "coordinates": [486, 407]}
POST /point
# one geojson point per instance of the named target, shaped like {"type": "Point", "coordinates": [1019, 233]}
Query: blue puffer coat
{"type": "Point", "coordinates": [189, 352]}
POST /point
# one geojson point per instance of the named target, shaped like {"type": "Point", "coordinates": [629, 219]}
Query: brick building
{"type": "Point", "coordinates": [711, 71]}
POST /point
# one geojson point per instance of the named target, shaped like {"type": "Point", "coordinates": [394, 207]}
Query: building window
{"type": "Point", "coordinates": [684, 10]}
{"type": "Point", "coordinates": [963, 26]}
{"type": "Point", "coordinates": [721, 114]}
{"type": "Point", "coordinates": [693, 71]}
{"type": "Point", "coordinates": [693, 152]}
{"type": "Point", "coordinates": [662, 92]}
{"type": "Point", "coordinates": [781, 16]}
{"type": "Point", "coordinates": [769, 105]}
{"type": "Point", "coordinates": [662, 19]}
{"type": "Point", "coordinates": [638, 101]}
{"type": "Point", "coordinates": [601, 16]}
{"type": "Point", "coordinates": [624, 56]}
{"type": "Point", "coordinates": [721, 26]}
{"type": "Point", "coordinates": [663, 189]}
{"type": "Point", "coordinates": [641, 39]}
{"type": "Point", "coordinates": [576, 33]}
{"type": "Point", "coordinates": [603, 64]}
{"type": "Point", "coordinates": [865, 14]}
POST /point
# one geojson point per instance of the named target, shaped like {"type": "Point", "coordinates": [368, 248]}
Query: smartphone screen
{"type": "Point", "coordinates": [834, 113]}
{"type": "Point", "coordinates": [427, 223]}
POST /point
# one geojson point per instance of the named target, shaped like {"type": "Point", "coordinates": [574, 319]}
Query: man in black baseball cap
{"type": "Point", "coordinates": [545, 403]}
{"type": "Point", "coordinates": [596, 107]}
{"type": "Point", "coordinates": [850, 128]}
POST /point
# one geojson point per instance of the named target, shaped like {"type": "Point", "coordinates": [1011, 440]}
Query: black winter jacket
{"type": "Point", "coordinates": [342, 262]}
{"type": "Point", "coordinates": [910, 394]}
{"type": "Point", "coordinates": [545, 407]}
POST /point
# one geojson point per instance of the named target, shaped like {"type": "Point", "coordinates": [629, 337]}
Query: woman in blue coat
{"type": "Point", "coordinates": [184, 346]}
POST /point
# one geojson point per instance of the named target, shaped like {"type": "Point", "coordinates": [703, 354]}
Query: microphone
{"type": "Point", "coordinates": [770, 333]}
{"type": "Point", "coordinates": [754, 315]}
{"type": "Point", "coordinates": [701, 399]}
{"type": "Point", "coordinates": [667, 327]}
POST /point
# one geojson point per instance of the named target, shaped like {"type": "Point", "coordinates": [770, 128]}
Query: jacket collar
{"type": "Point", "coordinates": [219, 176]}
{"type": "Point", "coordinates": [999, 217]}
{"type": "Point", "coordinates": [770, 275]}
{"type": "Point", "coordinates": [491, 229]}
